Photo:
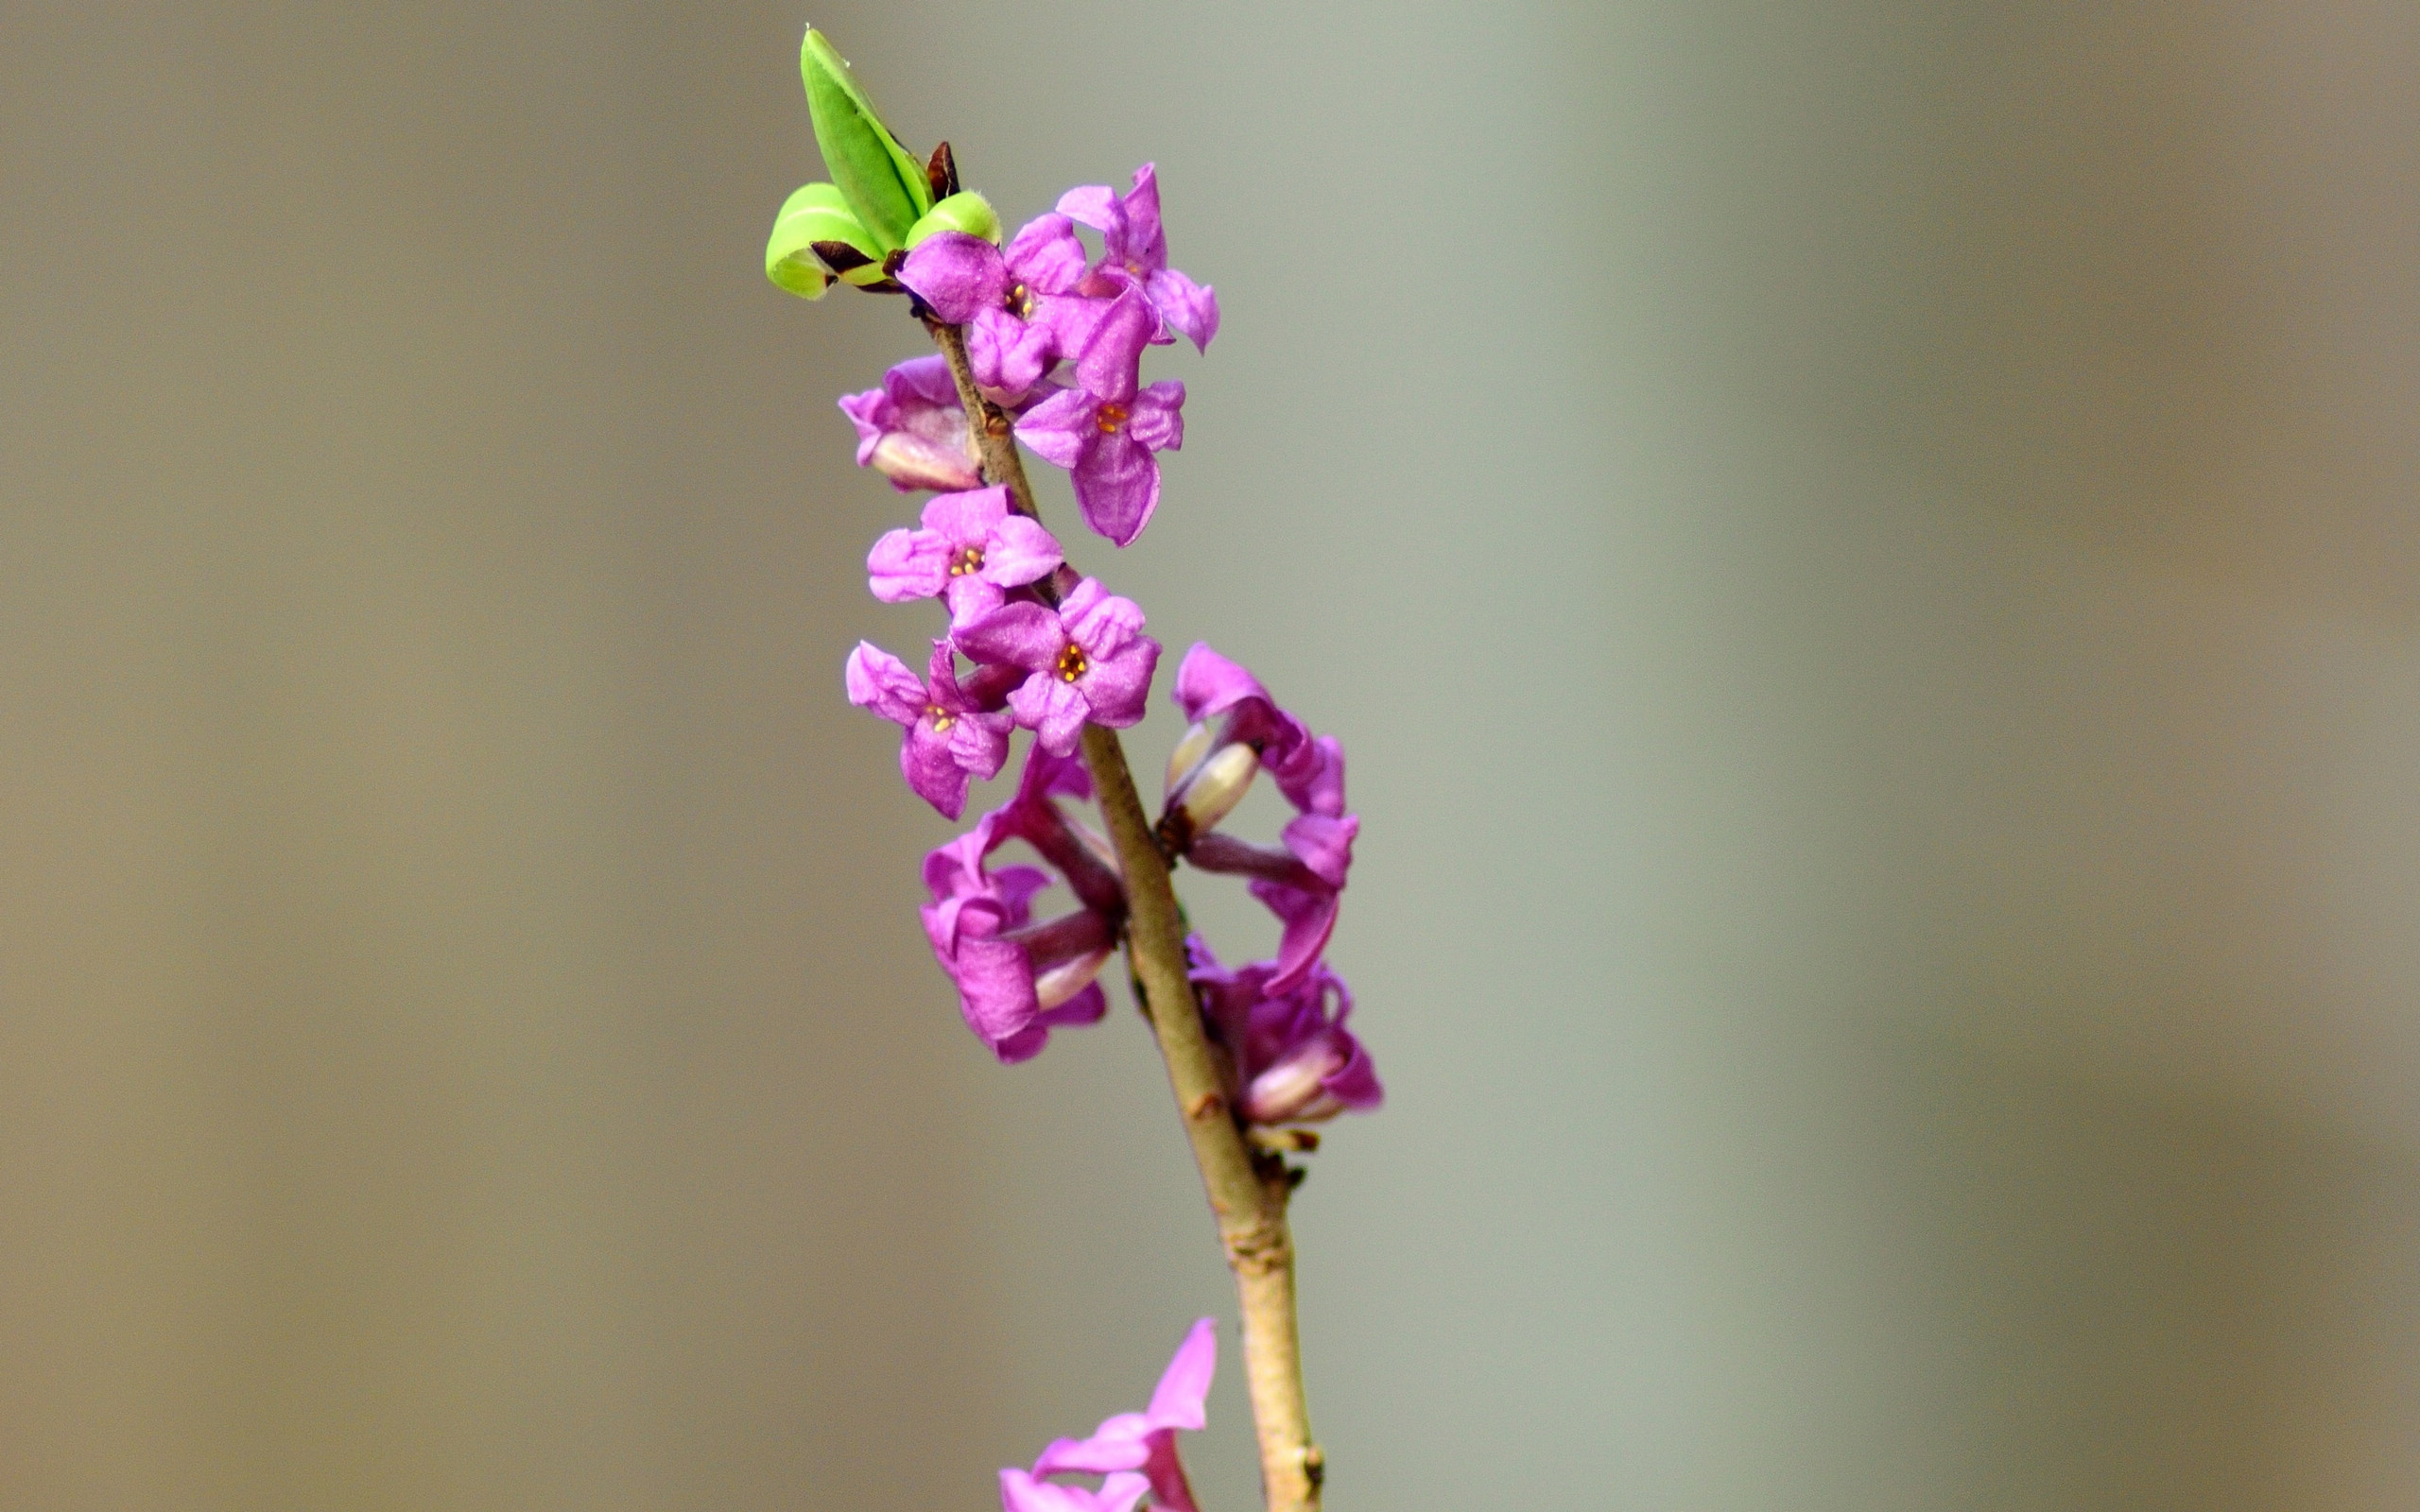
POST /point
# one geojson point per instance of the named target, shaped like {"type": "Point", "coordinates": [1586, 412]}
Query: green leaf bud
{"type": "Point", "coordinates": [968, 212]}
{"type": "Point", "coordinates": [886, 187]}
{"type": "Point", "coordinates": [815, 214]}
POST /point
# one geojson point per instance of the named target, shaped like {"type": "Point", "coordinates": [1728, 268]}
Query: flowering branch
{"type": "Point", "coordinates": [1040, 345]}
{"type": "Point", "coordinates": [1248, 1192]}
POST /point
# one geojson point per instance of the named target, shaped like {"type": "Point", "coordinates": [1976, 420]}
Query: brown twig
{"type": "Point", "coordinates": [1248, 1195]}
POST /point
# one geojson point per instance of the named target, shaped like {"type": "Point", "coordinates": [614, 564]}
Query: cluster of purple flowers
{"type": "Point", "coordinates": [1057, 339]}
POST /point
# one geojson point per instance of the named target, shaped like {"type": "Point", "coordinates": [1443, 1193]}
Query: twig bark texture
{"type": "Point", "coordinates": [1248, 1193]}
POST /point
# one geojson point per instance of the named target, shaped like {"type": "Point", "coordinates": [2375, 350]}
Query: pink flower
{"type": "Point", "coordinates": [971, 550]}
{"type": "Point", "coordinates": [1022, 305]}
{"type": "Point", "coordinates": [1130, 1442]}
{"type": "Point", "coordinates": [1088, 660]}
{"type": "Point", "coordinates": [1295, 1061]}
{"type": "Point", "coordinates": [1017, 980]}
{"type": "Point", "coordinates": [951, 737]}
{"type": "Point", "coordinates": [912, 431]}
{"type": "Point", "coordinates": [1105, 430]}
{"type": "Point", "coordinates": [1132, 243]}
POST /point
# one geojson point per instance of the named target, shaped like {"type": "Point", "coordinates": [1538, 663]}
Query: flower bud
{"type": "Point", "coordinates": [1186, 756]}
{"type": "Point", "coordinates": [1294, 1090]}
{"type": "Point", "coordinates": [1057, 984]}
{"type": "Point", "coordinates": [815, 214]}
{"type": "Point", "coordinates": [885, 186]}
{"type": "Point", "coordinates": [1217, 786]}
{"type": "Point", "coordinates": [968, 212]}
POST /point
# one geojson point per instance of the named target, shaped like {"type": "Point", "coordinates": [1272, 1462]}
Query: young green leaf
{"type": "Point", "coordinates": [968, 212]}
{"type": "Point", "coordinates": [885, 185]}
{"type": "Point", "coordinates": [816, 212]}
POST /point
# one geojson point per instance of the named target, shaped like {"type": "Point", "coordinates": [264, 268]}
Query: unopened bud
{"type": "Point", "coordinates": [817, 213]}
{"type": "Point", "coordinates": [1186, 756]}
{"type": "Point", "coordinates": [968, 212]}
{"type": "Point", "coordinates": [1217, 786]}
{"type": "Point", "coordinates": [886, 187]}
{"type": "Point", "coordinates": [1294, 1090]}
{"type": "Point", "coordinates": [1059, 983]}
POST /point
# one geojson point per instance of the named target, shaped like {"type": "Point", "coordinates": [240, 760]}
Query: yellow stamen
{"type": "Point", "coordinates": [1109, 417]}
{"type": "Point", "coordinates": [1072, 663]}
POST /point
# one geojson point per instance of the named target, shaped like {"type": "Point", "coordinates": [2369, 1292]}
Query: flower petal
{"type": "Point", "coordinates": [1052, 708]}
{"type": "Point", "coordinates": [1145, 244]}
{"type": "Point", "coordinates": [1098, 619]}
{"type": "Point", "coordinates": [1158, 416]}
{"type": "Point", "coordinates": [906, 564]}
{"type": "Point", "coordinates": [1062, 428]}
{"type": "Point", "coordinates": [931, 771]}
{"type": "Point", "coordinates": [1007, 355]}
{"type": "Point", "coordinates": [962, 520]}
{"type": "Point", "coordinates": [1191, 308]}
{"type": "Point", "coordinates": [1117, 486]}
{"type": "Point", "coordinates": [1094, 205]}
{"type": "Point", "coordinates": [1022, 635]}
{"type": "Point", "coordinates": [955, 274]}
{"type": "Point", "coordinates": [873, 413]}
{"type": "Point", "coordinates": [1324, 844]}
{"type": "Point", "coordinates": [1119, 687]}
{"type": "Point", "coordinates": [1018, 550]}
{"type": "Point", "coordinates": [970, 599]}
{"type": "Point", "coordinates": [1045, 256]}
{"type": "Point", "coordinates": [1310, 917]}
{"type": "Point", "coordinates": [1184, 1386]}
{"type": "Point", "coordinates": [979, 744]}
{"type": "Point", "coordinates": [1109, 362]}
{"type": "Point", "coordinates": [882, 682]}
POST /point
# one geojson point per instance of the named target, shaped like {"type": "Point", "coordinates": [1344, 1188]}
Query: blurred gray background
{"type": "Point", "coordinates": [1863, 553]}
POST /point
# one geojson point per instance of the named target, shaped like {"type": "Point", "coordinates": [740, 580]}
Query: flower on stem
{"type": "Point", "coordinates": [1295, 1061]}
{"type": "Point", "coordinates": [1105, 430]}
{"type": "Point", "coordinates": [971, 549]}
{"type": "Point", "coordinates": [1017, 980]}
{"type": "Point", "coordinates": [951, 737]}
{"type": "Point", "coordinates": [912, 431]}
{"type": "Point", "coordinates": [1021, 304]}
{"type": "Point", "coordinates": [1131, 1442]}
{"type": "Point", "coordinates": [1302, 882]}
{"type": "Point", "coordinates": [1133, 242]}
{"type": "Point", "coordinates": [1087, 659]}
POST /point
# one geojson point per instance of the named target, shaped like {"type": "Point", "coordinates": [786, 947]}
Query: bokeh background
{"type": "Point", "coordinates": [1863, 552]}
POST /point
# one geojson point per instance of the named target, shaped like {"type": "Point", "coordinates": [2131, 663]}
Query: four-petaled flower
{"type": "Point", "coordinates": [1133, 242]}
{"type": "Point", "coordinates": [912, 429]}
{"type": "Point", "coordinates": [972, 548]}
{"type": "Point", "coordinates": [1022, 305]}
{"type": "Point", "coordinates": [951, 737]}
{"type": "Point", "coordinates": [1105, 430]}
{"type": "Point", "coordinates": [1088, 660]}
{"type": "Point", "coordinates": [1131, 1442]}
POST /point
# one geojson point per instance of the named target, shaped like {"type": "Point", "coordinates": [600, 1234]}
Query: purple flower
{"type": "Point", "coordinates": [1133, 242]}
{"type": "Point", "coordinates": [1296, 1061]}
{"type": "Point", "coordinates": [1088, 660]}
{"type": "Point", "coordinates": [950, 736]}
{"type": "Point", "coordinates": [912, 431]}
{"type": "Point", "coordinates": [1105, 430]}
{"type": "Point", "coordinates": [1208, 686]}
{"type": "Point", "coordinates": [970, 549]}
{"type": "Point", "coordinates": [1022, 305]}
{"type": "Point", "coordinates": [1132, 1441]}
{"type": "Point", "coordinates": [1301, 882]}
{"type": "Point", "coordinates": [1016, 980]}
